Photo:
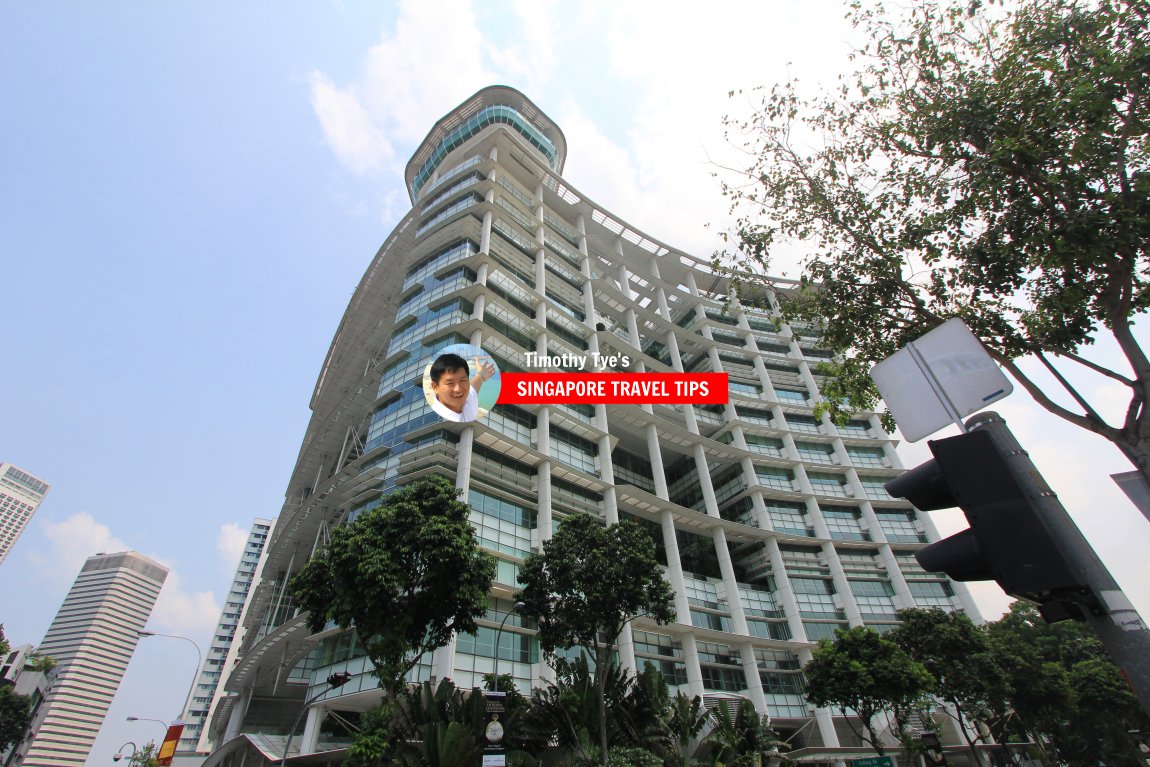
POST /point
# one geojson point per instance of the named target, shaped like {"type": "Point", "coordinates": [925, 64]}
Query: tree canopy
{"type": "Point", "coordinates": [405, 574]}
{"type": "Point", "coordinates": [982, 163]}
{"type": "Point", "coordinates": [959, 658]}
{"type": "Point", "coordinates": [588, 582]}
{"type": "Point", "coordinates": [863, 672]}
{"type": "Point", "coordinates": [1064, 691]}
{"type": "Point", "coordinates": [15, 710]}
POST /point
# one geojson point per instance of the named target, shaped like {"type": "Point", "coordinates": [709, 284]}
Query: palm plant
{"type": "Point", "coordinates": [686, 720]}
{"type": "Point", "coordinates": [744, 739]}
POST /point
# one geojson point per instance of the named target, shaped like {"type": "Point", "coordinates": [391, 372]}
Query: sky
{"type": "Point", "coordinates": [190, 192]}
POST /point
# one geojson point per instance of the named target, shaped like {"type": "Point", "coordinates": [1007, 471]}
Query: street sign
{"type": "Point", "coordinates": [939, 379]}
{"type": "Point", "coordinates": [873, 761]}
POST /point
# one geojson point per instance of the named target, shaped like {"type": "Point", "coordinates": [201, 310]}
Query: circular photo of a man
{"type": "Point", "coordinates": [461, 383]}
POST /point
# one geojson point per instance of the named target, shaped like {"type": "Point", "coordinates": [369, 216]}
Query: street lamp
{"type": "Point", "coordinates": [518, 607]}
{"type": "Point", "coordinates": [338, 679]}
{"type": "Point", "coordinates": [199, 662]}
{"type": "Point", "coordinates": [160, 722]}
{"type": "Point", "coordinates": [120, 752]}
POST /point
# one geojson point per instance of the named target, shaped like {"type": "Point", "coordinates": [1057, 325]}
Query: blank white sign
{"type": "Point", "coordinates": [965, 380]}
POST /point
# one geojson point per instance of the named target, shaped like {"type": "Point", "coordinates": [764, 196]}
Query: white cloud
{"type": "Point", "coordinates": [72, 541]}
{"type": "Point", "coordinates": [181, 612]}
{"type": "Point", "coordinates": [530, 58]}
{"type": "Point", "coordinates": [230, 545]}
{"type": "Point", "coordinates": [351, 133]}
{"type": "Point", "coordinates": [76, 538]}
{"type": "Point", "coordinates": [432, 61]}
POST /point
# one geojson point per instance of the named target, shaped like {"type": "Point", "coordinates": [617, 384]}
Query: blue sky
{"type": "Point", "coordinates": [189, 193]}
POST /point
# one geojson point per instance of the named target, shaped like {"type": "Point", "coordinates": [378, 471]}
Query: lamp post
{"type": "Point", "coordinates": [516, 608]}
{"type": "Point", "coordinates": [199, 663]}
{"type": "Point", "coordinates": [338, 679]}
{"type": "Point", "coordinates": [120, 752]}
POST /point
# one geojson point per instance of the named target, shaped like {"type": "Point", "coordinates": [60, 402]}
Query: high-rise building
{"type": "Point", "coordinates": [206, 687]}
{"type": "Point", "coordinates": [20, 495]}
{"type": "Point", "coordinates": [771, 522]}
{"type": "Point", "coordinates": [92, 639]}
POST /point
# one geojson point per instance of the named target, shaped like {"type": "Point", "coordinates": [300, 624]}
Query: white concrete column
{"type": "Point", "coordinates": [485, 233]}
{"type": "Point", "coordinates": [463, 453]}
{"type": "Point", "coordinates": [694, 669]}
{"type": "Point", "coordinates": [754, 681]}
{"type": "Point", "coordinates": [730, 582]}
{"type": "Point", "coordinates": [842, 585]}
{"type": "Point", "coordinates": [310, 737]}
{"type": "Point", "coordinates": [626, 645]}
{"type": "Point", "coordinates": [784, 592]}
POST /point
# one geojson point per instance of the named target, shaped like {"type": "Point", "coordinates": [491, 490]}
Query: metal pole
{"type": "Point", "coordinates": [338, 679]}
{"type": "Point", "coordinates": [1113, 618]}
{"type": "Point", "coordinates": [195, 676]}
{"type": "Point", "coordinates": [495, 676]}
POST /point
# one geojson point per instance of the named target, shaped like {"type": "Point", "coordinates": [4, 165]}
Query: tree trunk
{"type": "Point", "coordinates": [602, 655]}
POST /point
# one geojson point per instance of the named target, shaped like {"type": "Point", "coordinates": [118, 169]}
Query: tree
{"type": "Point", "coordinates": [15, 710]}
{"type": "Point", "coordinates": [589, 582]}
{"type": "Point", "coordinates": [958, 656]}
{"type": "Point", "coordinates": [863, 672]}
{"type": "Point", "coordinates": [985, 164]}
{"type": "Point", "coordinates": [406, 574]}
{"type": "Point", "coordinates": [1064, 690]}
{"type": "Point", "coordinates": [144, 757]}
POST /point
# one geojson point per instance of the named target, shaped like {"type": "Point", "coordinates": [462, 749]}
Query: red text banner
{"type": "Point", "coordinates": [613, 389]}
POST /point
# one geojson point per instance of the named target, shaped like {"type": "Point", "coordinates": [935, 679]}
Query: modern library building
{"type": "Point", "coordinates": [771, 522]}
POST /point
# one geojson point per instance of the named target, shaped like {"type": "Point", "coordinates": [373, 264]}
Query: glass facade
{"type": "Point", "coordinates": [768, 533]}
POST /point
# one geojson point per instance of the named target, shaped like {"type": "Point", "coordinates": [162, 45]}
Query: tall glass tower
{"type": "Point", "coordinates": [771, 522]}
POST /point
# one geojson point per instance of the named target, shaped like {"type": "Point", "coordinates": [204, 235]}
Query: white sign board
{"type": "Point", "coordinates": [939, 379]}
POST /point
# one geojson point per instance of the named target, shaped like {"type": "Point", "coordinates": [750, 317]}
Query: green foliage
{"type": "Point", "coordinates": [145, 756]}
{"type": "Point", "coordinates": [985, 163]}
{"type": "Point", "coordinates": [406, 574]}
{"type": "Point", "coordinates": [15, 715]}
{"type": "Point", "coordinates": [15, 710]}
{"type": "Point", "coordinates": [867, 673]}
{"type": "Point", "coordinates": [1064, 691]}
{"type": "Point", "coordinates": [426, 727]}
{"type": "Point", "coordinates": [589, 581]}
{"type": "Point", "coordinates": [744, 739]}
{"type": "Point", "coordinates": [686, 718]}
{"type": "Point", "coordinates": [958, 656]}
{"type": "Point", "coordinates": [625, 756]}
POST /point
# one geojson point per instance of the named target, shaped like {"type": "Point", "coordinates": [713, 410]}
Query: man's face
{"type": "Point", "coordinates": [452, 389]}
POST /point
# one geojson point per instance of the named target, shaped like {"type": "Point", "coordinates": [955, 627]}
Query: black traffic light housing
{"type": "Point", "coordinates": [1008, 540]}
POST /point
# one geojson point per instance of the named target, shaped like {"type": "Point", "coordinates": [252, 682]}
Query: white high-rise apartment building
{"type": "Point", "coordinates": [92, 638]}
{"type": "Point", "coordinates": [20, 495]}
{"type": "Point", "coordinates": [206, 688]}
{"type": "Point", "coordinates": [771, 522]}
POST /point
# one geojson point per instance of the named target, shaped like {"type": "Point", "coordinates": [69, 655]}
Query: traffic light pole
{"type": "Point", "coordinates": [1107, 609]}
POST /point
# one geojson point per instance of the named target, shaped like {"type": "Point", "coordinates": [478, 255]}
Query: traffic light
{"type": "Point", "coordinates": [1008, 540]}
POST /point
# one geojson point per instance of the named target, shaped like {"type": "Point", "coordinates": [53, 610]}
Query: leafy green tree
{"type": "Point", "coordinates": [983, 162]}
{"type": "Point", "coordinates": [589, 582]}
{"type": "Point", "coordinates": [863, 672]}
{"type": "Point", "coordinates": [146, 756]}
{"type": "Point", "coordinates": [406, 574]}
{"type": "Point", "coordinates": [958, 656]}
{"type": "Point", "coordinates": [15, 710]}
{"type": "Point", "coordinates": [1064, 691]}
